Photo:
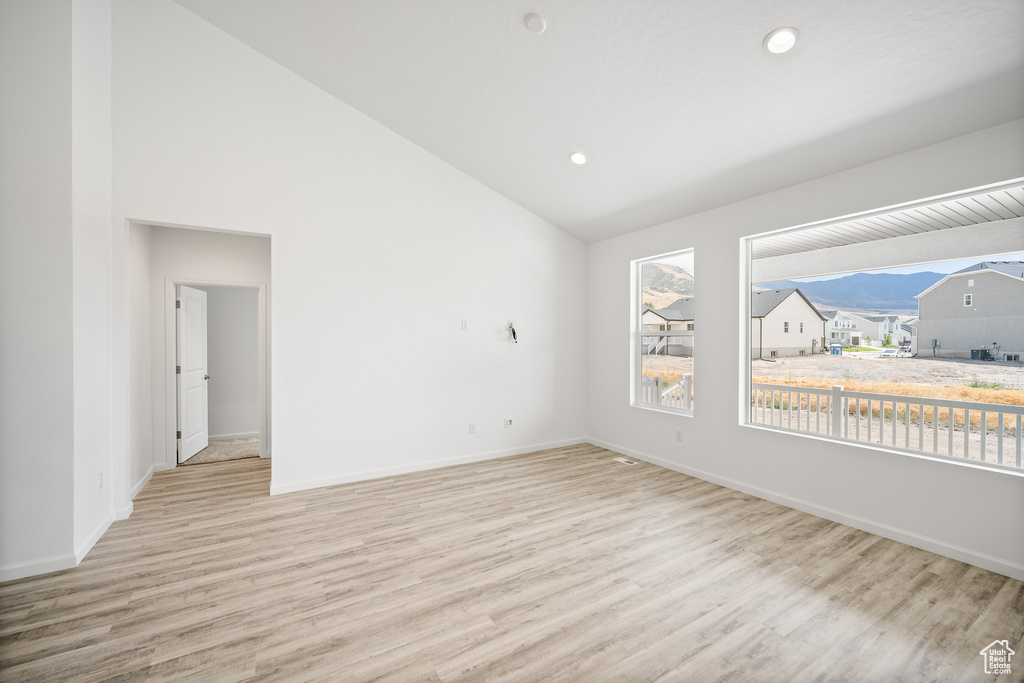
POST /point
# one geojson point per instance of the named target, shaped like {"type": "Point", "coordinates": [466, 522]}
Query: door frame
{"type": "Point", "coordinates": [170, 360]}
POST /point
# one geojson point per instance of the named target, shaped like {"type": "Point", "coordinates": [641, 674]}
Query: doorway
{"type": "Point", "coordinates": [158, 257]}
{"type": "Point", "coordinates": [217, 370]}
{"type": "Point", "coordinates": [219, 385]}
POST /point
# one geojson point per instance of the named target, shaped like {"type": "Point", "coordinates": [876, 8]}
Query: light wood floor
{"type": "Point", "coordinates": [560, 565]}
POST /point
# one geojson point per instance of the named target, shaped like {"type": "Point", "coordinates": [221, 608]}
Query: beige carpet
{"type": "Point", "coordinates": [227, 449]}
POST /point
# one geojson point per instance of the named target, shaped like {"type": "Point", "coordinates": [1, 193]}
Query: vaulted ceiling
{"type": "Point", "coordinates": [675, 103]}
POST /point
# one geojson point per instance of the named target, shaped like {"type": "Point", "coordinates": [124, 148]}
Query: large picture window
{"type": "Point", "coordinates": [663, 345]}
{"type": "Point", "coordinates": [894, 349]}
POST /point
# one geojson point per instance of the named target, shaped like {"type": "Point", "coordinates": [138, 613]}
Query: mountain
{"type": "Point", "coordinates": [664, 284]}
{"type": "Point", "coordinates": [864, 292]}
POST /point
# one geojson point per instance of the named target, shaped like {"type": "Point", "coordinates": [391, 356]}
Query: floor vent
{"type": "Point", "coordinates": [625, 461]}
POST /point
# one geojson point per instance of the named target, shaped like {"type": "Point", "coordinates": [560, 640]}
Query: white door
{"type": "Point", "coordinates": [192, 373]}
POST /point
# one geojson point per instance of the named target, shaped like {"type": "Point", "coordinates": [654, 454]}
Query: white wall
{"type": "Point", "coordinates": [36, 368]}
{"type": "Point", "coordinates": [233, 356]}
{"type": "Point", "coordinates": [209, 133]}
{"type": "Point", "coordinates": [140, 465]}
{"type": "Point", "coordinates": [936, 505]}
{"type": "Point", "coordinates": [90, 221]}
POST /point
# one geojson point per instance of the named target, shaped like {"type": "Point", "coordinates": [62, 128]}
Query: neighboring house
{"type": "Point", "coordinates": [840, 329]}
{"type": "Point", "coordinates": [784, 323]}
{"type": "Point", "coordinates": [974, 310]}
{"type": "Point", "coordinates": [877, 326]}
{"type": "Point", "coordinates": [676, 316]}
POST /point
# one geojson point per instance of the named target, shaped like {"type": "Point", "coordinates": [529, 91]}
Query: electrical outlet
{"type": "Point", "coordinates": [472, 428]}
{"type": "Point", "coordinates": [508, 423]}
{"type": "Point", "coordinates": [99, 479]}
{"type": "Point", "coordinates": [465, 324]}
{"type": "Point", "coordinates": [679, 435]}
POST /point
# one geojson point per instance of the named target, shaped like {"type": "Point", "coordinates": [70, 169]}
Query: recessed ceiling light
{"type": "Point", "coordinates": [781, 40]}
{"type": "Point", "coordinates": [578, 158]}
{"type": "Point", "coordinates": [535, 23]}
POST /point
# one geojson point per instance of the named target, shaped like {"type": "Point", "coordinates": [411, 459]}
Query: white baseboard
{"type": "Point", "coordinates": [266, 455]}
{"type": "Point", "coordinates": [85, 546]}
{"type": "Point", "coordinates": [291, 487]}
{"type": "Point", "coordinates": [995, 564]}
{"type": "Point", "coordinates": [124, 512]}
{"type": "Point", "coordinates": [139, 486]}
{"type": "Point", "coordinates": [243, 435]}
{"type": "Point", "coordinates": [19, 570]}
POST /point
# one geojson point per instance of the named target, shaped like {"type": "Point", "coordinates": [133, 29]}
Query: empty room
{"type": "Point", "coordinates": [583, 341]}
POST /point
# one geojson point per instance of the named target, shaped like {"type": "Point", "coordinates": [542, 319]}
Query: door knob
{"type": "Point", "coordinates": [206, 377]}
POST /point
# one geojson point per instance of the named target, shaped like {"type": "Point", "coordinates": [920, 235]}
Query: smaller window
{"type": "Point", "coordinates": [1012, 356]}
{"type": "Point", "coordinates": [774, 354]}
{"type": "Point", "coordinates": [801, 327]}
{"type": "Point", "coordinates": [785, 327]}
{"type": "Point", "coordinates": [970, 283]}
{"type": "Point", "coordinates": [689, 327]}
{"type": "Point", "coordinates": [968, 299]}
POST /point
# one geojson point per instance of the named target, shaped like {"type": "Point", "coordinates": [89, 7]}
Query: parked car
{"type": "Point", "coordinates": [888, 353]}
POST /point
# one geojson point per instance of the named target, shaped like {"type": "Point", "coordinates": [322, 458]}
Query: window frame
{"type": "Point", "coordinates": [742, 405]}
{"type": "Point", "coordinates": [637, 332]}
{"type": "Point", "coordinates": [968, 300]}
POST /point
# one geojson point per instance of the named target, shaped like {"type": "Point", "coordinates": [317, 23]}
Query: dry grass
{"type": "Point", "coordinates": [668, 378]}
{"type": "Point", "coordinates": [962, 393]}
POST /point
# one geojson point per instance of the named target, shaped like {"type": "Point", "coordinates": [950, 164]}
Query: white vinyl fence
{"type": "Point", "coordinates": [676, 395]}
{"type": "Point", "coordinates": [984, 432]}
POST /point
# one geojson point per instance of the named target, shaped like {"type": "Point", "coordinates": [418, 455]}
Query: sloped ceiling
{"type": "Point", "coordinates": [676, 104]}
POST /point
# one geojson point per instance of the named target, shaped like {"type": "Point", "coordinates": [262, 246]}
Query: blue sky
{"type": "Point", "coordinates": [685, 261]}
{"type": "Point", "coordinates": [940, 267]}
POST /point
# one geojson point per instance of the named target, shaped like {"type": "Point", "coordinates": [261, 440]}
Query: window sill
{"type": "Point", "coordinates": [662, 409]}
{"type": "Point", "coordinates": [934, 457]}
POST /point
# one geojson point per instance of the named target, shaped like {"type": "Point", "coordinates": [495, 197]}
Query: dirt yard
{"type": "Point", "coordinates": [944, 372]}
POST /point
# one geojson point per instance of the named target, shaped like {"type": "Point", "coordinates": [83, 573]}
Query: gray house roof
{"type": "Point", "coordinates": [1014, 268]}
{"type": "Point", "coordinates": [665, 314]}
{"type": "Point", "coordinates": [680, 309]}
{"type": "Point", "coordinates": [764, 301]}
{"type": "Point", "coordinates": [880, 318]}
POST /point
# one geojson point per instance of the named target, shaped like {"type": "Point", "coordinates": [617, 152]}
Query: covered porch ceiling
{"type": "Point", "coordinates": [974, 223]}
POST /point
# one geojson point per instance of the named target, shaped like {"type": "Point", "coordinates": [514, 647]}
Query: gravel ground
{"type": "Point", "coordinates": [950, 372]}
{"type": "Point", "coordinates": [868, 367]}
